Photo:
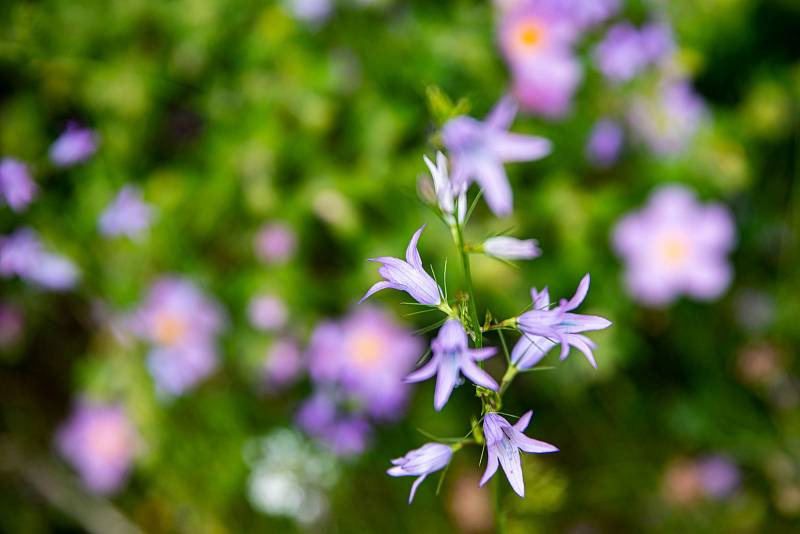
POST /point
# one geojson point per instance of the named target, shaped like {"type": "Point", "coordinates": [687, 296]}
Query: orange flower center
{"type": "Point", "coordinates": [169, 329]}
{"type": "Point", "coordinates": [367, 349]}
{"type": "Point", "coordinates": [674, 249]}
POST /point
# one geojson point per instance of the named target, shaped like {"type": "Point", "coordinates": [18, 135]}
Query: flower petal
{"type": "Point", "coordinates": [478, 375]}
{"type": "Point", "coordinates": [479, 355]}
{"type": "Point", "coordinates": [530, 445]}
{"type": "Point", "coordinates": [503, 113]}
{"type": "Point", "coordinates": [580, 294]}
{"type": "Point", "coordinates": [414, 487]}
{"type": "Point", "coordinates": [445, 382]}
{"type": "Point", "coordinates": [492, 178]}
{"type": "Point", "coordinates": [515, 147]}
{"type": "Point", "coordinates": [491, 467]}
{"type": "Point", "coordinates": [412, 255]}
{"type": "Point", "coordinates": [424, 372]}
{"type": "Point", "coordinates": [508, 454]}
{"type": "Point", "coordinates": [524, 421]}
{"type": "Point", "coordinates": [378, 286]}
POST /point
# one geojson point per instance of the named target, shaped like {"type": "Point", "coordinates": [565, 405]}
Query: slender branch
{"type": "Point", "coordinates": [458, 237]}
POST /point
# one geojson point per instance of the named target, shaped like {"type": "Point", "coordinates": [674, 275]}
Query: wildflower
{"type": "Point", "coordinates": [17, 188]}
{"type": "Point", "coordinates": [275, 243]}
{"type": "Point", "coordinates": [543, 328]}
{"type": "Point", "coordinates": [101, 443]}
{"type": "Point", "coordinates": [667, 120]}
{"type": "Point", "coordinates": [545, 85]}
{"type": "Point", "coordinates": [479, 149]}
{"type": "Point", "coordinates": [344, 434]}
{"type": "Point", "coordinates": [23, 254]}
{"type": "Point", "coordinates": [127, 214]}
{"type": "Point", "coordinates": [408, 276]}
{"type": "Point", "coordinates": [267, 312]}
{"type": "Point", "coordinates": [674, 246]}
{"type": "Point", "coordinates": [452, 355]}
{"type": "Point", "coordinates": [444, 190]}
{"type": "Point", "coordinates": [182, 324]}
{"type": "Point", "coordinates": [605, 143]}
{"type": "Point", "coordinates": [626, 51]}
{"type": "Point", "coordinates": [420, 463]}
{"type": "Point", "coordinates": [503, 443]}
{"type": "Point", "coordinates": [75, 145]}
{"type": "Point", "coordinates": [511, 248]}
{"type": "Point", "coordinates": [283, 364]}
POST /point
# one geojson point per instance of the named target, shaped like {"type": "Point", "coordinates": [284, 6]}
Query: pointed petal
{"type": "Point", "coordinates": [503, 113]}
{"type": "Point", "coordinates": [508, 454]}
{"type": "Point", "coordinates": [524, 421]}
{"type": "Point", "coordinates": [485, 353]}
{"type": "Point", "coordinates": [478, 375]}
{"type": "Point", "coordinates": [492, 178]}
{"type": "Point", "coordinates": [491, 467]}
{"type": "Point", "coordinates": [445, 382]}
{"type": "Point", "coordinates": [383, 284]}
{"type": "Point", "coordinates": [530, 350]}
{"type": "Point", "coordinates": [580, 294]}
{"type": "Point", "coordinates": [509, 147]}
{"type": "Point", "coordinates": [424, 372]}
{"type": "Point", "coordinates": [414, 487]}
{"type": "Point", "coordinates": [412, 255]}
{"type": "Point", "coordinates": [585, 345]}
{"type": "Point", "coordinates": [541, 299]}
{"type": "Point", "coordinates": [572, 323]}
{"type": "Point", "coordinates": [531, 445]}
{"type": "Point", "coordinates": [396, 471]}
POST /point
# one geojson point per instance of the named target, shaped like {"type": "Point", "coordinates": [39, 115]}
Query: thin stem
{"type": "Point", "coordinates": [511, 373]}
{"type": "Point", "coordinates": [458, 237]}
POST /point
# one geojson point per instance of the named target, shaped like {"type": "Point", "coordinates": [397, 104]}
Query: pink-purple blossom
{"type": "Point", "coordinates": [478, 150]}
{"type": "Point", "coordinates": [181, 324]}
{"type": "Point", "coordinates": [543, 328]}
{"type": "Point", "coordinates": [626, 51]}
{"type": "Point", "coordinates": [75, 145]}
{"type": "Point", "coordinates": [267, 312]}
{"type": "Point", "coordinates": [674, 246]}
{"type": "Point", "coordinates": [128, 214]}
{"type": "Point", "coordinates": [17, 188]}
{"type": "Point", "coordinates": [101, 443]}
{"type": "Point", "coordinates": [23, 254]}
{"type": "Point", "coordinates": [275, 243]}
{"type": "Point", "coordinates": [409, 276]}
{"type": "Point", "coordinates": [283, 364]}
{"type": "Point", "coordinates": [545, 85]}
{"type": "Point", "coordinates": [605, 143]}
{"type": "Point", "coordinates": [452, 357]}
{"type": "Point", "coordinates": [503, 443]}
{"type": "Point", "coordinates": [420, 463]}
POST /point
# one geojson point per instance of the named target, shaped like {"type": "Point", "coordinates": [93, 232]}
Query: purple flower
{"type": "Point", "coordinates": [511, 248]}
{"type": "Point", "coordinates": [446, 196]}
{"type": "Point", "coordinates": [531, 29]}
{"type": "Point", "coordinates": [605, 143]}
{"type": "Point", "coordinates": [719, 476]}
{"type": "Point", "coordinates": [675, 246]}
{"type": "Point", "coordinates": [283, 364]}
{"type": "Point", "coordinates": [408, 276]}
{"type": "Point", "coordinates": [101, 443]}
{"type": "Point", "coordinates": [451, 355]}
{"type": "Point", "coordinates": [626, 51]}
{"type": "Point", "coordinates": [343, 434]}
{"type": "Point", "coordinates": [545, 85]}
{"type": "Point", "coordinates": [22, 254]}
{"type": "Point", "coordinates": [182, 325]}
{"type": "Point", "coordinates": [668, 120]}
{"type": "Point", "coordinates": [479, 149]}
{"type": "Point", "coordinates": [311, 11]}
{"type": "Point", "coordinates": [17, 188]}
{"type": "Point", "coordinates": [420, 463]}
{"type": "Point", "coordinates": [366, 356]}
{"type": "Point", "coordinates": [267, 313]}
{"type": "Point", "coordinates": [275, 243]}
{"type": "Point", "coordinates": [127, 214]}
{"type": "Point", "coordinates": [75, 145]}
{"type": "Point", "coordinates": [543, 328]}
{"type": "Point", "coordinates": [503, 443]}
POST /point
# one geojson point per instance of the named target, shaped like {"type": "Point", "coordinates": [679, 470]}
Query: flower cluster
{"type": "Point", "coordinates": [478, 151]}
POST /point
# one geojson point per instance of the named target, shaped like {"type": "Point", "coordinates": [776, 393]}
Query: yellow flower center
{"type": "Point", "coordinates": [528, 35]}
{"type": "Point", "coordinates": [367, 349]}
{"type": "Point", "coordinates": [674, 249]}
{"type": "Point", "coordinates": [169, 329]}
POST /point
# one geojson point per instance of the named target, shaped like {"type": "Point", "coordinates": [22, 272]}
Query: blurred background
{"type": "Point", "coordinates": [189, 191]}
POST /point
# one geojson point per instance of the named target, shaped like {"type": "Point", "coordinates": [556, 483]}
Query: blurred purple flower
{"type": "Point", "coordinates": [674, 246]}
{"type": "Point", "coordinates": [452, 356]}
{"type": "Point", "coordinates": [545, 85]}
{"type": "Point", "coordinates": [543, 328]}
{"type": "Point", "coordinates": [344, 434]}
{"type": "Point", "coordinates": [101, 443]}
{"type": "Point", "coordinates": [12, 324]}
{"type": "Point", "coordinates": [311, 11]}
{"type": "Point", "coordinates": [479, 149]}
{"type": "Point", "coordinates": [75, 145]}
{"type": "Point", "coordinates": [23, 255]}
{"type": "Point", "coordinates": [719, 476]}
{"type": "Point", "coordinates": [182, 325]}
{"type": "Point", "coordinates": [668, 120]}
{"type": "Point", "coordinates": [127, 214]}
{"type": "Point", "coordinates": [533, 28]}
{"type": "Point", "coordinates": [503, 443]}
{"type": "Point", "coordinates": [626, 51]}
{"type": "Point", "coordinates": [409, 276]}
{"type": "Point", "coordinates": [283, 365]}
{"type": "Point", "coordinates": [367, 355]}
{"type": "Point", "coordinates": [267, 313]}
{"type": "Point", "coordinates": [17, 189]}
{"type": "Point", "coordinates": [605, 143]}
{"type": "Point", "coordinates": [511, 248]}
{"type": "Point", "coordinates": [420, 463]}
{"type": "Point", "coordinates": [275, 243]}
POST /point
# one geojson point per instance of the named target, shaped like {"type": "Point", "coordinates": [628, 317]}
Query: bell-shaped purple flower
{"type": "Point", "coordinates": [408, 276]}
{"type": "Point", "coordinates": [17, 189]}
{"type": "Point", "coordinates": [421, 462]}
{"type": "Point", "coordinates": [511, 248]}
{"type": "Point", "coordinates": [451, 355]}
{"type": "Point", "coordinates": [479, 149]}
{"type": "Point", "coordinates": [503, 443]}
{"type": "Point", "coordinates": [543, 328]}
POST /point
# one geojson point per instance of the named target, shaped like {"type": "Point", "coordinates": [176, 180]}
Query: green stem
{"type": "Point", "coordinates": [458, 237]}
{"type": "Point", "coordinates": [511, 372]}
